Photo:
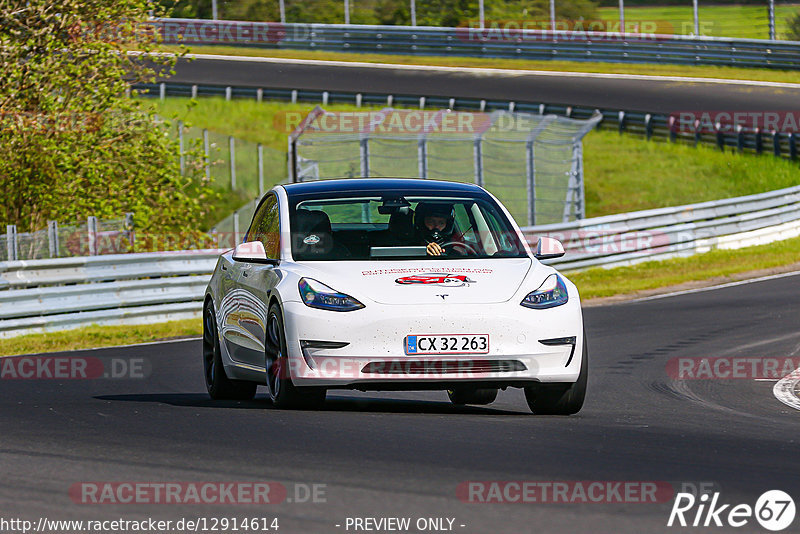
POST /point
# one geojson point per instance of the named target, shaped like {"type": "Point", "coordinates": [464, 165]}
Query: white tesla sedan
{"type": "Point", "coordinates": [392, 284]}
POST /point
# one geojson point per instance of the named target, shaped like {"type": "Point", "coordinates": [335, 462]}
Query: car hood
{"type": "Point", "coordinates": [425, 282]}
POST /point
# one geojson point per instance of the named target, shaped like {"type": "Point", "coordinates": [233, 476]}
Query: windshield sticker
{"type": "Point", "coordinates": [311, 240]}
{"type": "Point", "coordinates": [428, 270]}
{"type": "Point", "coordinates": [436, 279]}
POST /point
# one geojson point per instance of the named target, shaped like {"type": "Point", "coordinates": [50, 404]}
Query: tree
{"type": "Point", "coordinates": [72, 143]}
{"type": "Point", "coordinates": [793, 27]}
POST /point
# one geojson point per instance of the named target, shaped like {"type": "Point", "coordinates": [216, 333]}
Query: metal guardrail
{"type": "Point", "coordinates": [46, 295]}
{"type": "Point", "coordinates": [645, 124]}
{"type": "Point", "coordinates": [490, 43]}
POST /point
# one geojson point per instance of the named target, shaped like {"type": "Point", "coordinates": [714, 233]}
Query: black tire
{"type": "Point", "coordinates": [282, 391]}
{"type": "Point", "coordinates": [560, 399]}
{"type": "Point", "coordinates": [472, 395]}
{"type": "Point", "coordinates": [219, 386]}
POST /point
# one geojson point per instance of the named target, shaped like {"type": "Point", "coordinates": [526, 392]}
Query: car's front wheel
{"type": "Point", "coordinates": [282, 391]}
{"type": "Point", "coordinates": [472, 395]}
{"type": "Point", "coordinates": [560, 399]}
{"type": "Point", "coordinates": [219, 386]}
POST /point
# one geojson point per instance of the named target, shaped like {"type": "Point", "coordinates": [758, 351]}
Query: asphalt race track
{"type": "Point", "coordinates": [654, 95]}
{"type": "Point", "coordinates": [405, 454]}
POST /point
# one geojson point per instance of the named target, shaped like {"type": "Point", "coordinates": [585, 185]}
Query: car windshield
{"type": "Point", "coordinates": [395, 226]}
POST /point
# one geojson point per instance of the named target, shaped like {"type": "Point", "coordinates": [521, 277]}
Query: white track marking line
{"type": "Point", "coordinates": [712, 288]}
{"type": "Point", "coordinates": [494, 72]}
{"type": "Point", "coordinates": [785, 389]}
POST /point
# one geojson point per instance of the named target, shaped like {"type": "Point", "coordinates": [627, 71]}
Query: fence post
{"type": "Point", "coordinates": [792, 147]}
{"type": "Point", "coordinates": [621, 119]}
{"type": "Point", "coordinates": [207, 152]}
{"type": "Point", "coordinates": [129, 226]}
{"type": "Point", "coordinates": [181, 148]}
{"type": "Point", "coordinates": [771, 15]}
{"type": "Point", "coordinates": [11, 242]}
{"type": "Point", "coordinates": [478, 159]}
{"type": "Point", "coordinates": [759, 141]}
{"type": "Point", "coordinates": [422, 157]}
{"type": "Point", "coordinates": [364, 156]}
{"type": "Point", "coordinates": [720, 136]}
{"type": "Point", "coordinates": [776, 143]}
{"type": "Point", "coordinates": [530, 170]}
{"type": "Point", "coordinates": [260, 150]}
{"type": "Point", "coordinates": [52, 238]}
{"type": "Point", "coordinates": [91, 224]}
{"type": "Point", "coordinates": [648, 124]}
{"type": "Point", "coordinates": [232, 155]}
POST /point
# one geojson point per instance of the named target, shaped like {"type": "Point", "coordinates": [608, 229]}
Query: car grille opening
{"type": "Point", "coordinates": [439, 367]}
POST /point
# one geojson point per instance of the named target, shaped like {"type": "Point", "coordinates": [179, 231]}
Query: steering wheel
{"type": "Point", "coordinates": [466, 246]}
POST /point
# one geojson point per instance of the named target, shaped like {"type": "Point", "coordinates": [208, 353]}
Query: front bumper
{"type": "Point", "coordinates": [374, 354]}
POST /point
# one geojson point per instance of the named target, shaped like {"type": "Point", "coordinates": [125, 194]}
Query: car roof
{"type": "Point", "coordinates": [379, 185]}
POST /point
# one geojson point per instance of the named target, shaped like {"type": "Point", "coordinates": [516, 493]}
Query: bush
{"type": "Point", "coordinates": [71, 142]}
{"type": "Point", "coordinates": [793, 27]}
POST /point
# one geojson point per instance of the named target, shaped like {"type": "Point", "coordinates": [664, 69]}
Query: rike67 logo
{"type": "Point", "coordinates": [774, 510]}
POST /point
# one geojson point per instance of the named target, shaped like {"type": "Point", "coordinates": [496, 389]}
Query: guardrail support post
{"type": "Point", "coordinates": [422, 157]}
{"type": "Point", "coordinates": [260, 151]}
{"type": "Point", "coordinates": [697, 133]}
{"type": "Point", "coordinates": [11, 242]}
{"type": "Point", "coordinates": [207, 153]}
{"type": "Point", "coordinates": [259, 95]}
{"type": "Point", "coordinates": [232, 154]}
{"type": "Point", "coordinates": [194, 91]}
{"type": "Point", "coordinates": [358, 100]}
{"type": "Point", "coordinates": [792, 147]}
{"type": "Point", "coordinates": [228, 92]}
{"type": "Point", "coordinates": [325, 96]}
{"type": "Point", "coordinates": [52, 238]}
{"type": "Point", "coordinates": [776, 143]}
{"type": "Point", "coordinates": [91, 224]}
{"type": "Point", "coordinates": [739, 138]}
{"type": "Point", "coordinates": [648, 126]}
{"type": "Point", "coordinates": [720, 136]}
{"type": "Point", "coordinates": [294, 96]}
{"type": "Point", "coordinates": [759, 141]}
{"type": "Point", "coordinates": [364, 156]}
{"type": "Point", "coordinates": [671, 127]}
{"type": "Point", "coordinates": [162, 91]}
{"type": "Point", "coordinates": [621, 119]}
{"type": "Point", "coordinates": [181, 148]}
{"type": "Point", "coordinates": [483, 106]}
{"type": "Point", "coordinates": [422, 102]}
{"type": "Point", "coordinates": [530, 171]}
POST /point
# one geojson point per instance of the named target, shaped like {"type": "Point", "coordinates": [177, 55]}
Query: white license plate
{"type": "Point", "coordinates": [447, 344]}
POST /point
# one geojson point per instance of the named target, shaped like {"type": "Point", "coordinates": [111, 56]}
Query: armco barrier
{"type": "Point", "coordinates": [44, 295]}
{"type": "Point", "coordinates": [647, 125]}
{"type": "Point", "coordinates": [490, 43]}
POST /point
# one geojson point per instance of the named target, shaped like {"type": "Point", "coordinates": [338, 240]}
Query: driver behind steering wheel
{"type": "Point", "coordinates": [435, 226]}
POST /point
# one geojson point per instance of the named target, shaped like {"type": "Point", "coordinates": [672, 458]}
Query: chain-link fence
{"type": "Point", "coordinates": [532, 163]}
{"type": "Point", "coordinates": [92, 238]}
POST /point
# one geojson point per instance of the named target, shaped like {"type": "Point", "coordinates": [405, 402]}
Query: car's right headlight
{"type": "Point", "coordinates": [552, 293]}
{"type": "Point", "coordinates": [315, 294]}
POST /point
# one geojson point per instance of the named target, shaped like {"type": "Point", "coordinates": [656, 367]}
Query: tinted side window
{"type": "Point", "coordinates": [266, 227]}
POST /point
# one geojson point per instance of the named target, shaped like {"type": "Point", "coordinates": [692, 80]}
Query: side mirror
{"type": "Point", "coordinates": [252, 251]}
{"type": "Point", "coordinates": [547, 248]}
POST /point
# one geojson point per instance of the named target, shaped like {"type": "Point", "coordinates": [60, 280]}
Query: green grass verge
{"type": "Point", "coordinates": [729, 73]}
{"type": "Point", "coordinates": [739, 21]}
{"type": "Point", "coordinates": [622, 173]}
{"type": "Point", "coordinates": [98, 336]}
{"type": "Point", "coordinates": [599, 282]}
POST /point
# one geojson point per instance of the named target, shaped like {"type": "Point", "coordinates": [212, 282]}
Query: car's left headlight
{"type": "Point", "coordinates": [552, 292]}
{"type": "Point", "coordinates": [315, 294]}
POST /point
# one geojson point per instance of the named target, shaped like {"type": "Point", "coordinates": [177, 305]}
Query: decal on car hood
{"type": "Point", "coordinates": [437, 279]}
